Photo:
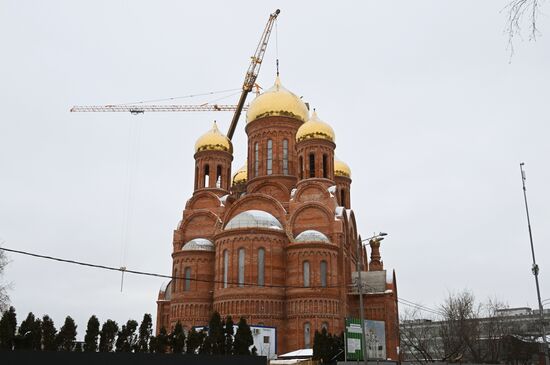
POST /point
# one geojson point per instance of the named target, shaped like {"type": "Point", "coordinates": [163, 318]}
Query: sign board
{"type": "Point", "coordinates": [265, 339]}
{"type": "Point", "coordinates": [375, 333]}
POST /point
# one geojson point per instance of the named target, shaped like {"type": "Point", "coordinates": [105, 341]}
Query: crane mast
{"type": "Point", "coordinates": [248, 85]}
{"type": "Point", "coordinates": [253, 71]}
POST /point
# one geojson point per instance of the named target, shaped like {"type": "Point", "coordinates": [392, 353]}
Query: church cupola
{"type": "Point", "coordinates": [273, 119]}
{"type": "Point", "coordinates": [342, 177]}
{"type": "Point", "coordinates": [315, 146]}
{"type": "Point", "coordinates": [213, 156]}
{"type": "Point", "coordinates": [277, 101]}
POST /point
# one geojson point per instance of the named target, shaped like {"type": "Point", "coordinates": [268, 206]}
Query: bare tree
{"type": "Point", "coordinates": [4, 298]}
{"type": "Point", "coordinates": [419, 337]}
{"type": "Point", "coordinates": [518, 13]}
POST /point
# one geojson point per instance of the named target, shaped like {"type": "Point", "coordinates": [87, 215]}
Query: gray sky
{"type": "Point", "coordinates": [427, 110]}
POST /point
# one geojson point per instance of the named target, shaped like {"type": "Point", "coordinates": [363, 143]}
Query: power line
{"type": "Point", "coordinates": [175, 277]}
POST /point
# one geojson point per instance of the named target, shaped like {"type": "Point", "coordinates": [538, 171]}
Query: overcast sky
{"type": "Point", "coordinates": [427, 110]}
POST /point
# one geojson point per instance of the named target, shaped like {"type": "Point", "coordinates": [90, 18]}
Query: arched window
{"type": "Point", "coordinates": [225, 267]}
{"type": "Point", "coordinates": [196, 177]}
{"type": "Point", "coordinates": [301, 167]}
{"type": "Point", "coordinates": [269, 157]}
{"type": "Point", "coordinates": [311, 165]}
{"type": "Point", "coordinates": [307, 335]}
{"type": "Point", "coordinates": [261, 266]}
{"type": "Point", "coordinates": [306, 273]}
{"type": "Point", "coordinates": [206, 176]}
{"type": "Point", "coordinates": [219, 176]}
{"type": "Point", "coordinates": [176, 281]}
{"type": "Point", "coordinates": [256, 161]}
{"type": "Point", "coordinates": [323, 273]}
{"type": "Point", "coordinates": [325, 166]}
{"type": "Point", "coordinates": [187, 286]}
{"type": "Point", "coordinates": [324, 325]}
{"type": "Point", "coordinates": [342, 197]}
{"type": "Point", "coordinates": [241, 267]}
{"type": "Point", "coordinates": [285, 156]}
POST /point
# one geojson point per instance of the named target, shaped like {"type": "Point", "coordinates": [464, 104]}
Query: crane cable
{"type": "Point", "coordinates": [277, 45]}
{"type": "Point", "coordinates": [179, 97]}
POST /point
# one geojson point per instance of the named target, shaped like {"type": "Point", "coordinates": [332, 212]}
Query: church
{"type": "Point", "coordinates": [275, 242]}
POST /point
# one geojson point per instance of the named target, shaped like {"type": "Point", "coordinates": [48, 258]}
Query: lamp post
{"type": "Point", "coordinates": [535, 269]}
{"type": "Point", "coordinates": [359, 264]}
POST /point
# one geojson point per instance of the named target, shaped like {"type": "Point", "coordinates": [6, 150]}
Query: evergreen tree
{"type": "Point", "coordinates": [194, 341]}
{"type": "Point", "coordinates": [8, 325]}
{"type": "Point", "coordinates": [177, 339]}
{"type": "Point", "coordinates": [48, 334]}
{"type": "Point", "coordinates": [216, 335]}
{"type": "Point", "coordinates": [229, 332]}
{"type": "Point", "coordinates": [36, 337]}
{"type": "Point", "coordinates": [127, 338]}
{"type": "Point", "coordinates": [67, 335]}
{"type": "Point", "coordinates": [30, 334]}
{"type": "Point", "coordinates": [206, 346]}
{"type": "Point", "coordinates": [145, 331]}
{"type": "Point", "coordinates": [160, 342]}
{"type": "Point", "coordinates": [326, 347]}
{"type": "Point", "coordinates": [107, 336]}
{"type": "Point", "coordinates": [92, 335]}
{"type": "Point", "coordinates": [78, 347]}
{"type": "Point", "coordinates": [243, 338]}
{"type": "Point", "coordinates": [152, 344]}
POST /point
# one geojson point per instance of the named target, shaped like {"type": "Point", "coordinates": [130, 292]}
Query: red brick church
{"type": "Point", "coordinates": [277, 241]}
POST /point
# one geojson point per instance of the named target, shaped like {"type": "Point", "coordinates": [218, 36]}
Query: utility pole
{"type": "Point", "coordinates": [535, 268]}
{"type": "Point", "coordinates": [358, 265]}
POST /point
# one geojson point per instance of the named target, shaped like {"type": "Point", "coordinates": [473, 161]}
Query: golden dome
{"type": "Point", "coordinates": [213, 140]}
{"type": "Point", "coordinates": [315, 128]}
{"type": "Point", "coordinates": [341, 168]}
{"type": "Point", "coordinates": [277, 101]}
{"type": "Point", "coordinates": [241, 175]}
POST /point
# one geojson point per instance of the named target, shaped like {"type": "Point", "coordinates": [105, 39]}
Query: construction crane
{"type": "Point", "coordinates": [140, 109]}
{"type": "Point", "coordinates": [253, 71]}
{"type": "Point", "coordinates": [248, 84]}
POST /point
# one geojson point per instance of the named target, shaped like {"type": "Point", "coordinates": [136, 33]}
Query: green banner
{"type": "Point", "coordinates": [354, 337]}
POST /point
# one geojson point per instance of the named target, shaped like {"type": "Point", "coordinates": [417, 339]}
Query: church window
{"type": "Point", "coordinates": [307, 335]}
{"type": "Point", "coordinates": [187, 279]}
{"type": "Point", "coordinates": [311, 165]}
{"type": "Point", "coordinates": [175, 283]}
{"type": "Point", "coordinates": [269, 156]}
{"type": "Point", "coordinates": [225, 267]}
{"type": "Point", "coordinates": [301, 167]}
{"type": "Point", "coordinates": [324, 325]}
{"type": "Point", "coordinates": [206, 176]}
{"type": "Point", "coordinates": [256, 162]}
{"type": "Point", "coordinates": [196, 177]}
{"type": "Point", "coordinates": [241, 267]}
{"type": "Point", "coordinates": [325, 167]}
{"type": "Point", "coordinates": [342, 197]}
{"type": "Point", "coordinates": [323, 274]}
{"type": "Point", "coordinates": [261, 265]}
{"type": "Point", "coordinates": [306, 273]}
{"type": "Point", "coordinates": [219, 176]}
{"type": "Point", "coordinates": [285, 156]}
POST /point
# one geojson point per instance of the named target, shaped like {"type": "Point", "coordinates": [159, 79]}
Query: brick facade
{"type": "Point", "coordinates": [255, 266]}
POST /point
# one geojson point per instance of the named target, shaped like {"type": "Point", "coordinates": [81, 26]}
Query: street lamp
{"type": "Point", "coordinates": [359, 262]}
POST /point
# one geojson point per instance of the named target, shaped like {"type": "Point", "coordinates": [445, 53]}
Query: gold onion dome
{"type": "Point", "coordinates": [277, 101]}
{"type": "Point", "coordinates": [315, 128]}
{"type": "Point", "coordinates": [341, 168]}
{"type": "Point", "coordinates": [241, 175]}
{"type": "Point", "coordinates": [213, 140]}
